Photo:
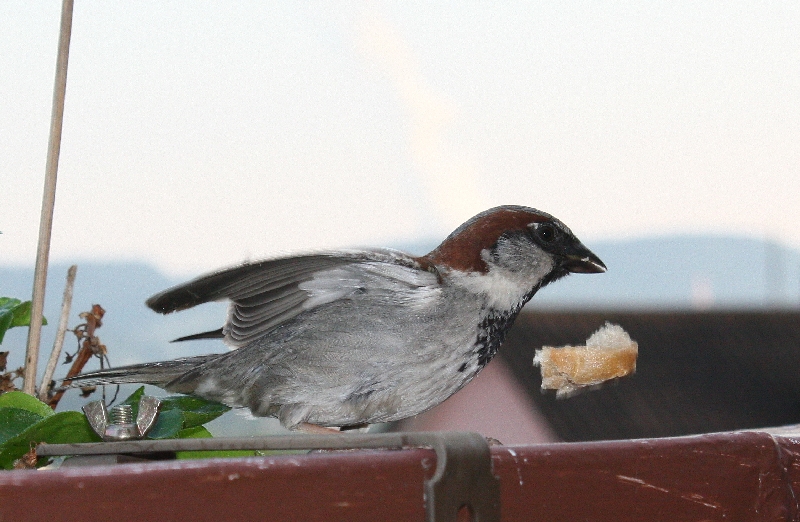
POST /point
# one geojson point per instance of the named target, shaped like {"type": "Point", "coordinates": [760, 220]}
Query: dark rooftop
{"type": "Point", "coordinates": [698, 372]}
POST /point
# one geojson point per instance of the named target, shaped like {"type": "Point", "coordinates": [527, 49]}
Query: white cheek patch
{"type": "Point", "coordinates": [504, 289]}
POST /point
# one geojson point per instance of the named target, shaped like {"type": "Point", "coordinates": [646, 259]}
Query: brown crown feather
{"type": "Point", "coordinates": [462, 249]}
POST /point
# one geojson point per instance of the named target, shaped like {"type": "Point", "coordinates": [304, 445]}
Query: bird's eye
{"type": "Point", "coordinates": [546, 232]}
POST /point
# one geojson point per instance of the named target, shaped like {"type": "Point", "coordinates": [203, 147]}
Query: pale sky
{"type": "Point", "coordinates": [199, 134]}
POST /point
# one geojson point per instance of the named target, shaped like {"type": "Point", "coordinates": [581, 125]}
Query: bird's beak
{"type": "Point", "coordinates": [581, 260]}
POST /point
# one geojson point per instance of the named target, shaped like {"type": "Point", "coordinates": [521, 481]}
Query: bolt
{"type": "Point", "coordinates": [119, 423]}
{"type": "Point", "coordinates": [121, 414]}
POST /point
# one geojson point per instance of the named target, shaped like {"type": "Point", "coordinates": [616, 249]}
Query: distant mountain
{"type": "Point", "coordinates": [694, 272]}
{"type": "Point", "coordinates": [670, 272]}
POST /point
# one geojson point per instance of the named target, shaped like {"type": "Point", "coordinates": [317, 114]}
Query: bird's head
{"type": "Point", "coordinates": [518, 245]}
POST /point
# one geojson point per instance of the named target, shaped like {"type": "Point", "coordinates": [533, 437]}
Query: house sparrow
{"type": "Point", "coordinates": [357, 337]}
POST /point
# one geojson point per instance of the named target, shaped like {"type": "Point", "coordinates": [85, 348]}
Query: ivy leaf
{"type": "Point", "coordinates": [196, 411]}
{"type": "Point", "coordinates": [14, 421]}
{"type": "Point", "coordinates": [22, 315]}
{"type": "Point", "coordinates": [7, 305]}
{"type": "Point", "coordinates": [67, 427]}
{"type": "Point", "coordinates": [14, 312]}
{"type": "Point", "coordinates": [133, 400]}
{"type": "Point", "coordinates": [197, 432]}
{"type": "Point", "coordinates": [25, 421]}
{"type": "Point", "coordinates": [168, 424]}
{"type": "Point", "coordinates": [17, 399]}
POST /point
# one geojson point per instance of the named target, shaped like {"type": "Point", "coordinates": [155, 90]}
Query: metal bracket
{"type": "Point", "coordinates": [463, 478]}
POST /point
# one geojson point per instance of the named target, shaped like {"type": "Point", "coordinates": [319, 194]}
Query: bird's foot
{"type": "Point", "coordinates": [493, 442]}
{"type": "Point", "coordinates": [313, 429]}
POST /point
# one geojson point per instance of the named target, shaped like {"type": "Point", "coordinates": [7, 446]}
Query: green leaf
{"type": "Point", "coordinates": [196, 432]}
{"type": "Point", "coordinates": [167, 426]}
{"type": "Point", "coordinates": [196, 411]}
{"type": "Point", "coordinates": [14, 421]}
{"type": "Point", "coordinates": [14, 312]}
{"type": "Point", "coordinates": [67, 427]}
{"type": "Point", "coordinates": [22, 315]}
{"type": "Point", "coordinates": [26, 421]}
{"type": "Point", "coordinates": [134, 398]}
{"type": "Point", "coordinates": [17, 399]}
{"type": "Point", "coordinates": [6, 314]}
{"type": "Point", "coordinates": [8, 304]}
{"type": "Point", "coordinates": [5, 324]}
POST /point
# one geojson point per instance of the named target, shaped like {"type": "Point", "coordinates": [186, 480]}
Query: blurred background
{"type": "Point", "coordinates": [666, 135]}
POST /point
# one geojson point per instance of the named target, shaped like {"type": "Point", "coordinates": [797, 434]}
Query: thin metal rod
{"type": "Point", "coordinates": [66, 304]}
{"type": "Point", "coordinates": [48, 200]}
{"type": "Point", "coordinates": [272, 442]}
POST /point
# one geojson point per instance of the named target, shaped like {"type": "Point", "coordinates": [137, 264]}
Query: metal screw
{"type": "Point", "coordinates": [121, 414]}
{"type": "Point", "coordinates": [119, 424]}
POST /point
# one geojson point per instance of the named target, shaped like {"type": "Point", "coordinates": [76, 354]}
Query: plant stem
{"type": "Point", "coordinates": [66, 304]}
{"type": "Point", "coordinates": [48, 200]}
{"type": "Point", "coordinates": [93, 321]}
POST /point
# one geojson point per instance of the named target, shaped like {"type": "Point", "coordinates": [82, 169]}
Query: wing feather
{"type": "Point", "coordinates": [269, 293]}
{"type": "Point", "coordinates": [243, 281]}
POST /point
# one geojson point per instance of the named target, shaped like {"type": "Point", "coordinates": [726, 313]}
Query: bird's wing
{"type": "Point", "coordinates": [268, 293]}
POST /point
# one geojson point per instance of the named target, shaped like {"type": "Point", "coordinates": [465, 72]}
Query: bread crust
{"type": "Point", "coordinates": [567, 369]}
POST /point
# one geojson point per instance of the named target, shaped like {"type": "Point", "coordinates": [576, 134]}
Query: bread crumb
{"type": "Point", "coordinates": [609, 354]}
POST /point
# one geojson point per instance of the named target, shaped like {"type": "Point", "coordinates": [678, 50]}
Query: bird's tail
{"type": "Point", "coordinates": [156, 373]}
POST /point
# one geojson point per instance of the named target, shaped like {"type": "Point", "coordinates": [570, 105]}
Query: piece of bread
{"type": "Point", "coordinates": [609, 353]}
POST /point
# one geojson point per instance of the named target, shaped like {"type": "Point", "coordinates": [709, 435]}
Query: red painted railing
{"type": "Point", "coordinates": [747, 476]}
